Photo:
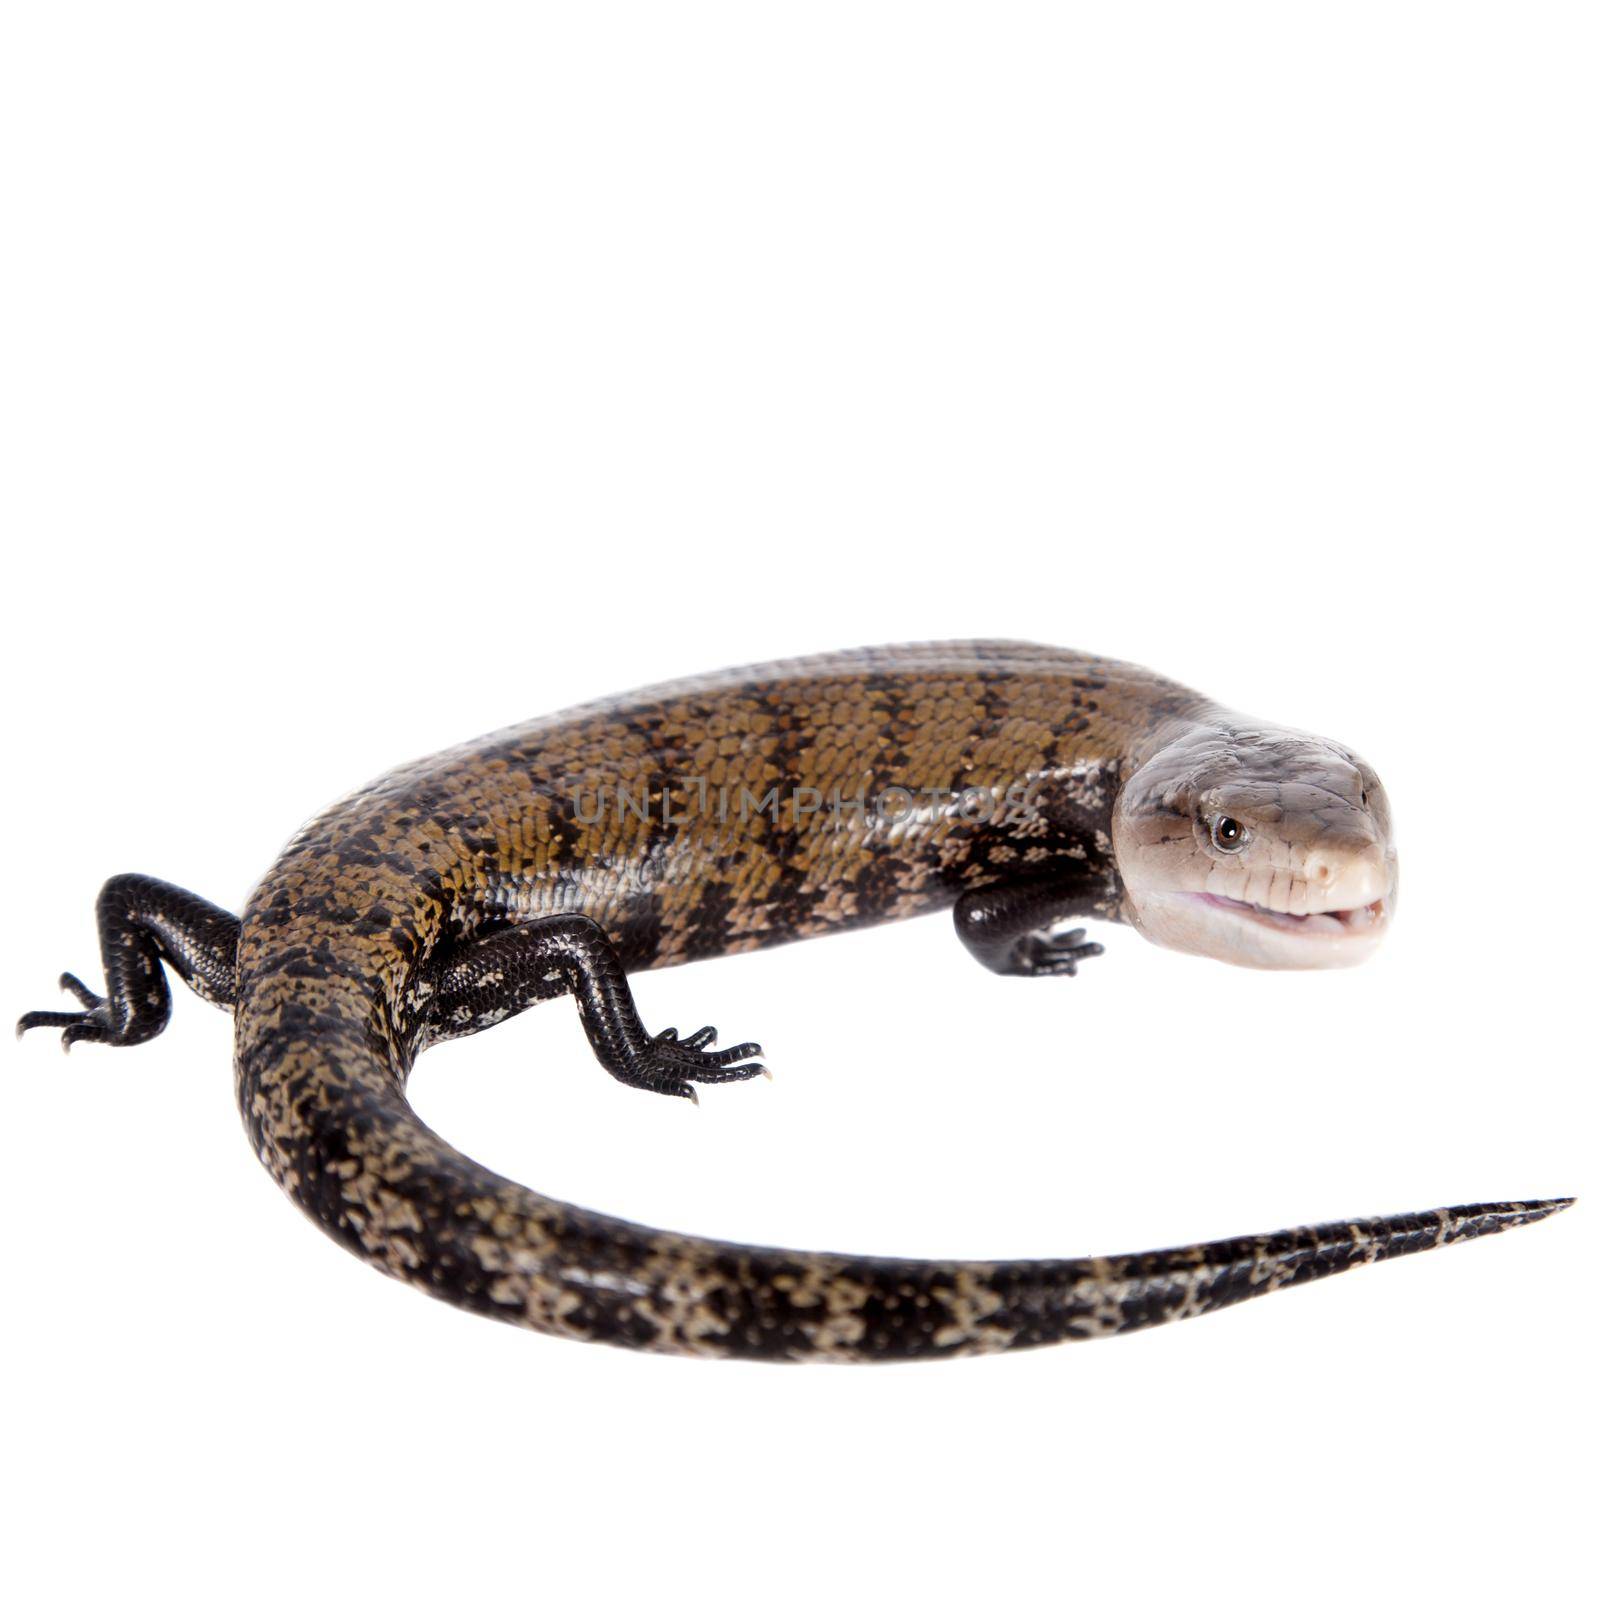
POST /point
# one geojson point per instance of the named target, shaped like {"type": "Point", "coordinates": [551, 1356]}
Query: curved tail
{"type": "Point", "coordinates": [329, 1117]}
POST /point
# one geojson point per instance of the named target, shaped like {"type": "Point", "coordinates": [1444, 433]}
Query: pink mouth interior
{"type": "Point", "coordinates": [1360, 919]}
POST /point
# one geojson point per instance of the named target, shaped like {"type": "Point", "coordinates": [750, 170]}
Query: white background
{"type": "Point", "coordinates": [377, 376]}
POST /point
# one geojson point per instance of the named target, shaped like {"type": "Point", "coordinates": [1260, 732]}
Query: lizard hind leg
{"type": "Point", "coordinates": [498, 974]}
{"type": "Point", "coordinates": [143, 924]}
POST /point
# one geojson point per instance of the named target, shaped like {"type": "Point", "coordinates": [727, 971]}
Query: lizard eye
{"type": "Point", "coordinates": [1228, 834]}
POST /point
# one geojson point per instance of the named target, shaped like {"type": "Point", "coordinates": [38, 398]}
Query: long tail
{"type": "Point", "coordinates": [330, 1119]}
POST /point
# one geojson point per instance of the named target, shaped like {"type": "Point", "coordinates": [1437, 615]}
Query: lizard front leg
{"type": "Point", "coordinates": [1012, 927]}
{"type": "Point", "coordinates": [498, 974]}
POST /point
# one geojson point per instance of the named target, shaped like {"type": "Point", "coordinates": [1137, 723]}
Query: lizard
{"type": "Point", "coordinates": [1018, 786]}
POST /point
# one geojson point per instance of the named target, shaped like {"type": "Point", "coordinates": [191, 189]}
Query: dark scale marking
{"type": "Point", "coordinates": [464, 888]}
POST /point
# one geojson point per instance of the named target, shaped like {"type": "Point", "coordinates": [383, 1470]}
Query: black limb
{"type": "Point", "coordinates": [143, 923]}
{"type": "Point", "coordinates": [1011, 927]}
{"type": "Point", "coordinates": [499, 974]}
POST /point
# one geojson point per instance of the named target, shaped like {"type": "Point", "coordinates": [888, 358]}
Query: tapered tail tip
{"type": "Point", "coordinates": [1505, 1214]}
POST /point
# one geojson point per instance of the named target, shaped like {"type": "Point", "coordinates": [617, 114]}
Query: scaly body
{"type": "Point", "coordinates": [1018, 784]}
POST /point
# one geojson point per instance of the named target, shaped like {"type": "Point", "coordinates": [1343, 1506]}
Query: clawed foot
{"type": "Point", "coordinates": [670, 1065]}
{"type": "Point", "coordinates": [93, 1022]}
{"type": "Point", "coordinates": [1041, 954]}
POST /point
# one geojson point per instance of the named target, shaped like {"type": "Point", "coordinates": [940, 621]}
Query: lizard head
{"type": "Point", "coordinates": [1256, 845]}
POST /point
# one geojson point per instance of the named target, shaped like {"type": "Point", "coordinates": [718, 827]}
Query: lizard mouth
{"type": "Point", "coordinates": [1345, 923]}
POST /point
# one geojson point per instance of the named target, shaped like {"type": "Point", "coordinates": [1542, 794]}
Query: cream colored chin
{"type": "Point", "coordinates": [1189, 923]}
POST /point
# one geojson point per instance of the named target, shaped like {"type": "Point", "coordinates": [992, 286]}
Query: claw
{"type": "Point", "coordinates": [716, 1071]}
{"type": "Point", "coordinates": [47, 1019]}
{"type": "Point", "coordinates": [81, 991]}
